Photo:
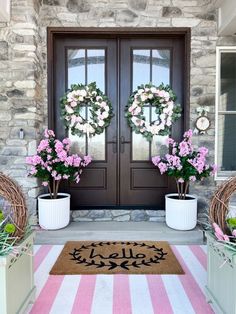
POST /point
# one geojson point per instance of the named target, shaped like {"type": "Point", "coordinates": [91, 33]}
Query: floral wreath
{"type": "Point", "coordinates": [162, 98]}
{"type": "Point", "coordinates": [100, 109]}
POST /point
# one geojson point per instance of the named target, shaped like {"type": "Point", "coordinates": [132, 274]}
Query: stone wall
{"type": "Point", "coordinates": [23, 74]}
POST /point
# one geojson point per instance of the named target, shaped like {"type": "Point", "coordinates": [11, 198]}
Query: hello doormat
{"type": "Point", "coordinates": [132, 257]}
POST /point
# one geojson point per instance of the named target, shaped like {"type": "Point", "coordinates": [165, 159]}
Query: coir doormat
{"type": "Point", "coordinates": [133, 257]}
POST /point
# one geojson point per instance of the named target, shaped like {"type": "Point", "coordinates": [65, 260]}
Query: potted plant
{"type": "Point", "coordinates": [52, 164]}
{"type": "Point", "coordinates": [184, 163]}
{"type": "Point", "coordinates": [17, 288]}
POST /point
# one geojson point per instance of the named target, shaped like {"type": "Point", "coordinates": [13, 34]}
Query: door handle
{"type": "Point", "coordinates": [122, 144]}
{"type": "Point", "coordinates": [114, 144]}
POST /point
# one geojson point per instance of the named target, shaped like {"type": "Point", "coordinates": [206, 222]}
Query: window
{"type": "Point", "coordinates": [226, 112]}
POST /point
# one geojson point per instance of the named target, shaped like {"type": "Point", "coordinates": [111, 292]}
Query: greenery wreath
{"type": "Point", "coordinates": [100, 108]}
{"type": "Point", "coordinates": [162, 98]}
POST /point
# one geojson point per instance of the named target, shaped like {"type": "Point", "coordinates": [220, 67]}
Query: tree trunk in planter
{"type": "Point", "coordinates": [221, 276]}
{"type": "Point", "coordinates": [17, 288]}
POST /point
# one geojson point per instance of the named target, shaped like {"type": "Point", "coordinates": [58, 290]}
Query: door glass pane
{"type": "Point", "coordinates": [86, 66]}
{"type": "Point", "coordinates": [226, 136]}
{"type": "Point", "coordinates": [141, 67]}
{"type": "Point", "coordinates": [228, 82]}
{"type": "Point", "coordinates": [158, 145]}
{"type": "Point", "coordinates": [76, 66]}
{"type": "Point", "coordinates": [160, 66]}
{"type": "Point", "coordinates": [140, 146]}
{"type": "Point", "coordinates": [96, 146]}
{"type": "Point", "coordinates": [96, 67]}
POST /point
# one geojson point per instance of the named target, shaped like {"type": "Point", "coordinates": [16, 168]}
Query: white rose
{"type": "Point", "coordinates": [150, 96]}
{"type": "Point", "coordinates": [79, 126]}
{"type": "Point", "coordinates": [105, 114]}
{"type": "Point", "coordinates": [69, 109]}
{"type": "Point", "coordinates": [81, 98]}
{"type": "Point", "coordinates": [101, 123]}
{"type": "Point", "coordinates": [153, 89]}
{"type": "Point", "coordinates": [137, 111]}
{"type": "Point", "coordinates": [106, 108]}
{"type": "Point", "coordinates": [83, 93]}
{"type": "Point", "coordinates": [103, 104]}
{"type": "Point", "coordinates": [143, 97]}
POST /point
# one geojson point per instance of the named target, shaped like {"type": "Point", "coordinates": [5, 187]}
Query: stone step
{"type": "Point", "coordinates": [124, 231]}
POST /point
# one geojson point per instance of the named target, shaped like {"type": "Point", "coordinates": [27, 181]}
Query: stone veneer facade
{"type": "Point", "coordinates": [23, 76]}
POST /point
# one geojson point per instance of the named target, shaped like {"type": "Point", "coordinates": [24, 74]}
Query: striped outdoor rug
{"type": "Point", "coordinates": [122, 294]}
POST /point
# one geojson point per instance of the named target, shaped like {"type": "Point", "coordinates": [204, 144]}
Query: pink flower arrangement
{"type": "Point", "coordinates": [184, 163]}
{"type": "Point", "coordinates": [52, 163]}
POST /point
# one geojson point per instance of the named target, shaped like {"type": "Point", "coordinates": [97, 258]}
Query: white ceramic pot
{"type": "Point", "coordinates": [54, 213]}
{"type": "Point", "coordinates": [181, 214]}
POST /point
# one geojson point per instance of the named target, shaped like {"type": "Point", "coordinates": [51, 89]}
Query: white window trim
{"type": "Point", "coordinates": [224, 174]}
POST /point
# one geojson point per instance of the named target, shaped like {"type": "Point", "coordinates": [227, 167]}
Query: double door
{"type": "Point", "coordinates": [121, 173]}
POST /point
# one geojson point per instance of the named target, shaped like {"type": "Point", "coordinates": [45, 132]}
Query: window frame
{"type": "Point", "coordinates": [220, 175]}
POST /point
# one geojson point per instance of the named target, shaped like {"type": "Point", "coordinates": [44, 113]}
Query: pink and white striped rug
{"type": "Point", "coordinates": [122, 294]}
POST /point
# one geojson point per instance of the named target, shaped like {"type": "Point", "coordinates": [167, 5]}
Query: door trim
{"type": "Point", "coordinates": [118, 32]}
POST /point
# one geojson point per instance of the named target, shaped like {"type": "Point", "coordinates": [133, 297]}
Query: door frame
{"type": "Point", "coordinates": [54, 33]}
{"type": "Point", "coordinates": [114, 32]}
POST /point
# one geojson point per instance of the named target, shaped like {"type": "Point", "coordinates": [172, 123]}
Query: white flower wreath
{"type": "Point", "coordinates": [100, 109]}
{"type": "Point", "coordinates": [162, 98]}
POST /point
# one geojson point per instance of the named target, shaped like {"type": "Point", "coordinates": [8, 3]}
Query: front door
{"type": "Point", "coordinates": [121, 173]}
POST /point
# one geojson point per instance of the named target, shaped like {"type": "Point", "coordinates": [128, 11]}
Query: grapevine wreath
{"type": "Point", "coordinates": [162, 98]}
{"type": "Point", "coordinates": [100, 109]}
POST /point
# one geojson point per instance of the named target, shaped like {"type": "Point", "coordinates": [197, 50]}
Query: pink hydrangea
{"type": "Point", "coordinates": [45, 183]}
{"type": "Point", "coordinates": [59, 146]}
{"type": "Point", "coordinates": [188, 134]}
{"type": "Point", "coordinates": [162, 167]}
{"type": "Point", "coordinates": [44, 144]}
{"type": "Point", "coordinates": [49, 133]}
{"type": "Point", "coordinates": [62, 155]}
{"type": "Point", "coordinates": [87, 160]}
{"type": "Point", "coordinates": [183, 148]}
{"type": "Point", "coordinates": [156, 160]}
{"type": "Point", "coordinates": [77, 161]}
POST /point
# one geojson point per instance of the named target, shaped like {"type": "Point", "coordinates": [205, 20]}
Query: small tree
{"type": "Point", "coordinates": [184, 163]}
{"type": "Point", "coordinates": [53, 163]}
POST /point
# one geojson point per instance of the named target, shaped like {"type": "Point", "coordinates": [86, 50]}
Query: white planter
{"type": "Point", "coordinates": [221, 276]}
{"type": "Point", "coordinates": [181, 214]}
{"type": "Point", "coordinates": [54, 213]}
{"type": "Point", "coordinates": [17, 288]}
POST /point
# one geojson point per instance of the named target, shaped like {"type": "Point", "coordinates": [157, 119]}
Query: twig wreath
{"type": "Point", "coordinates": [100, 108]}
{"type": "Point", "coordinates": [162, 98]}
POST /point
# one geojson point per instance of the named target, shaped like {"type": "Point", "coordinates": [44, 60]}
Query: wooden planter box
{"type": "Point", "coordinates": [221, 276]}
{"type": "Point", "coordinates": [17, 288]}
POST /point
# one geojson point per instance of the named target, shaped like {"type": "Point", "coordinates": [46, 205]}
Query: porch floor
{"type": "Point", "coordinates": [102, 231]}
{"type": "Point", "coordinates": [122, 294]}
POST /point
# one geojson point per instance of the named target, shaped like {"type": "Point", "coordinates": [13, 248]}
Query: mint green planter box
{"type": "Point", "coordinates": [17, 288]}
{"type": "Point", "coordinates": [221, 277]}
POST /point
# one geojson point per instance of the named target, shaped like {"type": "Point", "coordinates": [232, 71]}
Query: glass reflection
{"type": "Point", "coordinates": [141, 67]}
{"type": "Point", "coordinates": [96, 146]}
{"type": "Point", "coordinates": [140, 146]}
{"type": "Point", "coordinates": [96, 67]}
{"type": "Point", "coordinates": [228, 82]}
{"type": "Point", "coordinates": [226, 136]}
{"type": "Point", "coordinates": [160, 66]}
{"type": "Point", "coordinates": [76, 66]}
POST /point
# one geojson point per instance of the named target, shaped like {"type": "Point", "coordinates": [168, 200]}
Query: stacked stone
{"type": "Point", "coordinates": [23, 73]}
{"type": "Point", "coordinates": [20, 93]}
{"type": "Point", "coordinates": [119, 215]}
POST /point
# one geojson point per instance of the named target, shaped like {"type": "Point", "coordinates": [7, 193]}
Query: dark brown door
{"type": "Point", "coordinates": [121, 173]}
